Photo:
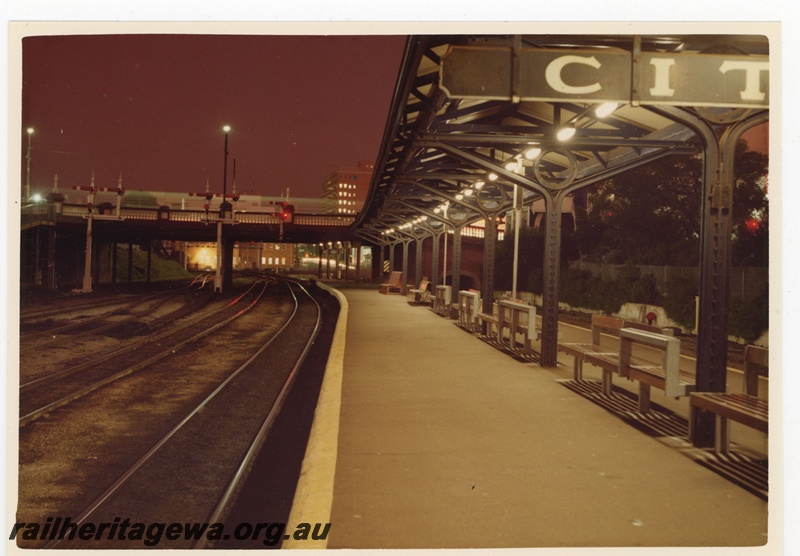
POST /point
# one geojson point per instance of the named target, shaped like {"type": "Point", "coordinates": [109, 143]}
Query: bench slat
{"type": "Point", "coordinates": [746, 409]}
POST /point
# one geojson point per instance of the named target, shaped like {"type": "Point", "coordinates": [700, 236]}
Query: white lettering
{"type": "Point", "coordinates": [554, 69]}
{"type": "Point", "coordinates": [662, 68]}
{"type": "Point", "coordinates": [752, 83]}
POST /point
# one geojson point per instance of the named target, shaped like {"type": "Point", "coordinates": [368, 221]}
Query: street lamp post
{"type": "Point", "coordinates": [28, 163]}
{"type": "Point", "coordinates": [222, 211]}
{"type": "Point", "coordinates": [224, 208]}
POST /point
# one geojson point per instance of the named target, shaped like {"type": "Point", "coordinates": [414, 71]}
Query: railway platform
{"type": "Point", "coordinates": [428, 437]}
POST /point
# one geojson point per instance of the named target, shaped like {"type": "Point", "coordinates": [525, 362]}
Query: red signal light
{"type": "Point", "coordinates": [752, 225]}
{"type": "Point", "coordinates": [287, 212]}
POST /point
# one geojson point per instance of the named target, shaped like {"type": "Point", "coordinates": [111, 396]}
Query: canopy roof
{"type": "Point", "coordinates": [466, 109]}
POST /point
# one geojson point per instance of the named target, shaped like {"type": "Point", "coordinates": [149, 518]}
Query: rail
{"type": "Point", "coordinates": [32, 212]}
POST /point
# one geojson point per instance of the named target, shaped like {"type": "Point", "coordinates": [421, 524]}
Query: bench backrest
{"type": "Point", "coordinates": [443, 295]}
{"type": "Point", "coordinates": [526, 314]}
{"type": "Point", "coordinates": [395, 279]}
{"type": "Point", "coordinates": [670, 358]}
{"type": "Point", "coordinates": [470, 303]}
{"type": "Point", "coordinates": [755, 359]}
{"type": "Point", "coordinates": [424, 285]}
{"type": "Point", "coordinates": [601, 323]}
{"type": "Point", "coordinates": [642, 326]}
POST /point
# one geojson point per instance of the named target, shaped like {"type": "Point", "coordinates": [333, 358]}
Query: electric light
{"type": "Point", "coordinates": [605, 109]}
{"type": "Point", "coordinates": [492, 176]}
{"type": "Point", "coordinates": [566, 133]}
{"type": "Point", "coordinates": [530, 154]}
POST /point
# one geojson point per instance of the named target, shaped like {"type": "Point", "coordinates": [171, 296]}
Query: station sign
{"type": "Point", "coordinates": [560, 75]}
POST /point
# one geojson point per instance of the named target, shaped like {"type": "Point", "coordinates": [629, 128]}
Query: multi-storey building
{"type": "Point", "coordinates": [345, 190]}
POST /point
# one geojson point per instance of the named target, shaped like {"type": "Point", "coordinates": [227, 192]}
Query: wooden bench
{"type": "Point", "coordinates": [604, 357]}
{"type": "Point", "coordinates": [443, 300]}
{"type": "Point", "coordinates": [420, 295]}
{"type": "Point", "coordinates": [519, 318]}
{"type": "Point", "coordinates": [469, 306]}
{"type": "Point", "coordinates": [600, 325]}
{"type": "Point", "coordinates": [393, 285]}
{"type": "Point", "coordinates": [666, 375]}
{"type": "Point", "coordinates": [491, 322]}
{"type": "Point", "coordinates": [746, 408]}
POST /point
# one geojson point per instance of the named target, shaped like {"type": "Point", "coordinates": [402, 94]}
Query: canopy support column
{"type": "Point", "coordinates": [719, 148]}
{"type": "Point", "coordinates": [418, 261]}
{"type": "Point", "coordinates": [455, 279]}
{"type": "Point", "coordinates": [489, 248]}
{"type": "Point", "coordinates": [436, 238]}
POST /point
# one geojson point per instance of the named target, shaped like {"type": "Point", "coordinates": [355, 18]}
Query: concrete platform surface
{"type": "Point", "coordinates": [445, 442]}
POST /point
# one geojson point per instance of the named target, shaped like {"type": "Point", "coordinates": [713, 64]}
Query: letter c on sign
{"type": "Point", "coordinates": [553, 74]}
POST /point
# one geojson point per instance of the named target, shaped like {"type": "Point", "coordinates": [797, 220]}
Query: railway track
{"type": "Point", "coordinates": [127, 316]}
{"type": "Point", "coordinates": [76, 381]}
{"type": "Point", "coordinates": [193, 472]}
{"type": "Point", "coordinates": [57, 308]}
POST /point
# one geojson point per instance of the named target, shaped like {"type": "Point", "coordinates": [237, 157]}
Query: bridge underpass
{"type": "Point", "coordinates": [55, 236]}
{"type": "Point", "coordinates": [483, 125]}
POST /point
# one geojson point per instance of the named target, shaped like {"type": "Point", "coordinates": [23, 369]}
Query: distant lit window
{"type": "Point", "coordinates": [270, 260]}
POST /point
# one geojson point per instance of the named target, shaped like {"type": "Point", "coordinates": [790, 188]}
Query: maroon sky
{"type": "Point", "coordinates": [152, 107]}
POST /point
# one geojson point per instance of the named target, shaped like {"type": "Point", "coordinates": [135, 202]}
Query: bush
{"type": "Point", "coordinates": [749, 320]}
{"type": "Point", "coordinates": [680, 301]}
{"type": "Point", "coordinates": [580, 288]}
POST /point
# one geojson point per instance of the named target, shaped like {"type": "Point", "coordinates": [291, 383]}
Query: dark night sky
{"type": "Point", "coordinates": [152, 107]}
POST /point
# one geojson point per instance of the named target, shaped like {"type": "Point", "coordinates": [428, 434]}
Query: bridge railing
{"type": "Point", "coordinates": [177, 215]}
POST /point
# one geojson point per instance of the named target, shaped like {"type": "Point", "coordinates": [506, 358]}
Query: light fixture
{"type": "Point", "coordinates": [511, 166]}
{"type": "Point", "coordinates": [566, 133]}
{"type": "Point", "coordinates": [459, 196]}
{"type": "Point", "coordinates": [437, 210]}
{"type": "Point", "coordinates": [532, 153]}
{"type": "Point", "coordinates": [605, 109]}
{"type": "Point", "coordinates": [467, 192]}
{"type": "Point", "coordinates": [492, 176]}
{"type": "Point", "coordinates": [478, 184]}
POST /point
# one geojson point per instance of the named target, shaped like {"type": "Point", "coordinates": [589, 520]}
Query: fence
{"type": "Point", "coordinates": [746, 282]}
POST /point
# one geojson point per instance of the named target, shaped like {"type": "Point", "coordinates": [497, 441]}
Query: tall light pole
{"type": "Point", "coordinates": [222, 209]}
{"type": "Point", "coordinates": [28, 161]}
{"type": "Point", "coordinates": [226, 129]}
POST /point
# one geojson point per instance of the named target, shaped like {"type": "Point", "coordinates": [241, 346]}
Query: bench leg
{"type": "Point", "coordinates": [607, 382]}
{"type": "Point", "coordinates": [644, 397]}
{"type": "Point", "coordinates": [722, 435]}
{"type": "Point", "coordinates": [577, 368]}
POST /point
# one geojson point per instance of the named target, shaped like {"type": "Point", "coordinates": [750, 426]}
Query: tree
{"type": "Point", "coordinates": [652, 214]}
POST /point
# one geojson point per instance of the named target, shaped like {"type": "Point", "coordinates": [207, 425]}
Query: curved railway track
{"type": "Point", "coordinates": [193, 472]}
{"type": "Point", "coordinates": [60, 307]}
{"type": "Point", "coordinates": [76, 381]}
{"type": "Point", "coordinates": [122, 316]}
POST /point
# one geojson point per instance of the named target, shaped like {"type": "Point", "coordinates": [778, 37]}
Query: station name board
{"type": "Point", "coordinates": [606, 76]}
